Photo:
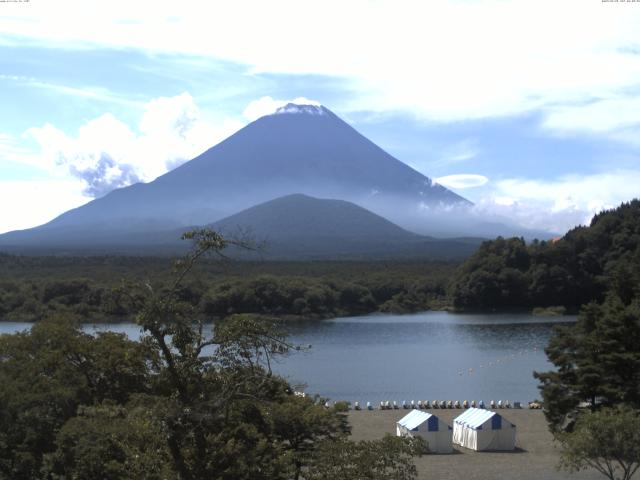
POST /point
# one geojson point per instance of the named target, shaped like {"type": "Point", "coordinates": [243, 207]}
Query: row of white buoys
{"type": "Point", "coordinates": [428, 405]}
{"type": "Point", "coordinates": [439, 404]}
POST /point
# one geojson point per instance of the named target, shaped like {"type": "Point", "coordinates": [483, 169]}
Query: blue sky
{"type": "Point", "coordinates": [529, 109]}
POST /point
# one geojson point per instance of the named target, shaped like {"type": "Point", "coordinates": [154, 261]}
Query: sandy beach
{"type": "Point", "coordinates": [535, 457]}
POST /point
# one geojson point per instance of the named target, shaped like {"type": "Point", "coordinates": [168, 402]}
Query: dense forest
{"type": "Point", "coordinates": [569, 272]}
{"type": "Point", "coordinates": [592, 395]}
{"type": "Point", "coordinates": [99, 288]}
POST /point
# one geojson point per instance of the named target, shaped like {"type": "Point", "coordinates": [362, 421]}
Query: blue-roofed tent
{"type": "Point", "coordinates": [480, 429]}
{"type": "Point", "coordinates": [436, 433]}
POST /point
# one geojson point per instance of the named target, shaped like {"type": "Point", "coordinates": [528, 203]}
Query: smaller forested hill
{"type": "Point", "coordinates": [302, 227]}
{"type": "Point", "coordinates": [574, 270]}
{"type": "Point", "coordinates": [300, 215]}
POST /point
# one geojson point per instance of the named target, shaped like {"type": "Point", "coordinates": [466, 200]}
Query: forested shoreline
{"type": "Point", "coordinates": [579, 268]}
{"type": "Point", "coordinates": [503, 274]}
{"type": "Point", "coordinates": [99, 288]}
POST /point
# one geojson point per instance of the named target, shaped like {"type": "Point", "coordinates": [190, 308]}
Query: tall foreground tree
{"type": "Point", "coordinates": [597, 361]}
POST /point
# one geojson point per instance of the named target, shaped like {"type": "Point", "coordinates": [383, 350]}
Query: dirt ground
{"type": "Point", "coordinates": [535, 457]}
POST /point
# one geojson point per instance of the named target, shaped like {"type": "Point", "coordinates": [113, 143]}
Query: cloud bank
{"type": "Point", "coordinates": [60, 195]}
{"type": "Point", "coordinates": [558, 205]}
{"type": "Point", "coordinates": [107, 153]}
{"type": "Point", "coordinates": [442, 61]}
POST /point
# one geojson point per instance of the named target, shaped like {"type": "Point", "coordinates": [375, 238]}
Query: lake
{"type": "Point", "coordinates": [425, 356]}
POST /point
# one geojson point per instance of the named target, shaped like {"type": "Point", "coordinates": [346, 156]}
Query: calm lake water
{"type": "Point", "coordinates": [426, 356]}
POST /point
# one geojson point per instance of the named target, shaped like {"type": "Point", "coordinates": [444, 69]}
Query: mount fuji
{"type": "Point", "coordinates": [301, 149]}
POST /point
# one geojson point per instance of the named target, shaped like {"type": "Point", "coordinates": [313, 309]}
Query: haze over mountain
{"type": "Point", "coordinates": [299, 226]}
{"type": "Point", "coordinates": [299, 149]}
{"type": "Point", "coordinates": [293, 227]}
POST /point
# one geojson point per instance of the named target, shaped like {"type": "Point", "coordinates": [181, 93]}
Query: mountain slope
{"type": "Point", "coordinates": [304, 149]}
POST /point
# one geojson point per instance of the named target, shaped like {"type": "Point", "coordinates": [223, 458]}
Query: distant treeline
{"type": "Point", "coordinates": [579, 268]}
{"type": "Point", "coordinates": [98, 288]}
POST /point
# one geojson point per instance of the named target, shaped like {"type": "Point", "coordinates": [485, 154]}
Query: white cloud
{"type": "Point", "coordinates": [91, 92]}
{"type": "Point", "coordinates": [603, 115]}
{"type": "Point", "coordinates": [462, 180]}
{"type": "Point", "coordinates": [561, 204]}
{"type": "Point", "coordinates": [617, 117]}
{"type": "Point", "coordinates": [11, 150]}
{"type": "Point", "coordinates": [30, 203]}
{"type": "Point", "coordinates": [455, 154]}
{"type": "Point", "coordinates": [267, 105]}
{"type": "Point", "coordinates": [107, 153]}
{"type": "Point", "coordinates": [446, 60]}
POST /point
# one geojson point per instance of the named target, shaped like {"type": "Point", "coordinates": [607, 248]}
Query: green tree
{"type": "Point", "coordinates": [110, 442]}
{"type": "Point", "coordinates": [597, 361]}
{"type": "Point", "coordinates": [390, 458]}
{"type": "Point", "coordinates": [607, 440]}
{"type": "Point", "coordinates": [47, 373]}
{"type": "Point", "coordinates": [301, 422]}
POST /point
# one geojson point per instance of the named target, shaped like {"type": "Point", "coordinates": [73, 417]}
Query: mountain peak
{"type": "Point", "coordinates": [308, 109]}
{"type": "Point", "coordinates": [304, 148]}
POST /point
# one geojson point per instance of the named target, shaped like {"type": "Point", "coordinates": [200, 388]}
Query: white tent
{"type": "Point", "coordinates": [480, 429]}
{"type": "Point", "coordinates": [437, 434]}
